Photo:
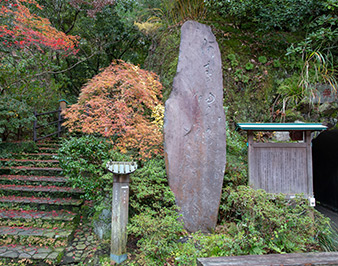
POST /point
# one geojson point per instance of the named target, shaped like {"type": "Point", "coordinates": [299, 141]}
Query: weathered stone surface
{"type": "Point", "coordinates": [282, 136]}
{"type": "Point", "coordinates": [102, 224]}
{"type": "Point", "coordinates": [194, 128]}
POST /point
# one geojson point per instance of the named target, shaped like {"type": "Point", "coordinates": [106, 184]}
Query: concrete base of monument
{"type": "Point", "coordinates": [118, 258]}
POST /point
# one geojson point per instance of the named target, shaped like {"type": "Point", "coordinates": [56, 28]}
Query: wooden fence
{"type": "Point", "coordinates": [58, 122]}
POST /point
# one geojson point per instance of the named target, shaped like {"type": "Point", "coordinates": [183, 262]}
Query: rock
{"type": "Point", "coordinates": [194, 129]}
{"type": "Point", "coordinates": [282, 136]}
{"type": "Point", "coordinates": [102, 221]}
{"type": "Point", "coordinates": [81, 246]}
{"type": "Point", "coordinates": [53, 255]}
{"type": "Point", "coordinates": [24, 256]}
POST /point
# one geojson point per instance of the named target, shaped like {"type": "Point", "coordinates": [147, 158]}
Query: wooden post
{"type": "Point", "coordinates": [121, 171]}
{"type": "Point", "coordinates": [308, 142]}
{"type": "Point", "coordinates": [251, 162]}
{"type": "Point", "coordinates": [63, 105]}
{"type": "Point", "coordinates": [118, 248]}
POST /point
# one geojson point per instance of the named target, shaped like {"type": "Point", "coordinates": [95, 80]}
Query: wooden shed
{"type": "Point", "coordinates": [282, 167]}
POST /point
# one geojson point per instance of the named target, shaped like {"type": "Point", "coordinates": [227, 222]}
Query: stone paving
{"type": "Point", "coordinates": [331, 214]}
{"type": "Point", "coordinates": [26, 252]}
{"type": "Point", "coordinates": [83, 246]}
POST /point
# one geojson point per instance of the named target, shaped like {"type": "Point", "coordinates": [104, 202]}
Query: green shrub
{"type": "Point", "coordinates": [6, 149]}
{"type": "Point", "coordinates": [159, 233]}
{"type": "Point", "coordinates": [260, 223]}
{"type": "Point", "coordinates": [16, 118]}
{"type": "Point", "coordinates": [154, 216]}
{"type": "Point", "coordinates": [149, 189]}
{"type": "Point", "coordinates": [82, 159]}
{"type": "Point", "coordinates": [274, 223]}
{"type": "Point", "coordinates": [236, 165]}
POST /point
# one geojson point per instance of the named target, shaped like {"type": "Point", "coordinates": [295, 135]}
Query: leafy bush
{"type": "Point", "coordinates": [154, 216]}
{"type": "Point", "coordinates": [271, 223]}
{"type": "Point", "coordinates": [149, 189]}
{"type": "Point", "coordinates": [259, 223]}
{"type": "Point", "coordinates": [81, 159]}
{"type": "Point", "coordinates": [16, 117]}
{"type": "Point", "coordinates": [159, 233]}
{"type": "Point", "coordinates": [252, 222]}
{"type": "Point", "coordinates": [6, 149]}
{"type": "Point", "coordinates": [236, 166]}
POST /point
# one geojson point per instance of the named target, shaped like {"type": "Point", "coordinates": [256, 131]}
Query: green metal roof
{"type": "Point", "coordinates": [281, 126]}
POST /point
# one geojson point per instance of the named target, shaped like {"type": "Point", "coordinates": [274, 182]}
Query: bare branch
{"type": "Point", "coordinates": [65, 70]}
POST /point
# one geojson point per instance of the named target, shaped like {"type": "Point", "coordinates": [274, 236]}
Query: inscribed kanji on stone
{"type": "Point", "coordinates": [194, 129]}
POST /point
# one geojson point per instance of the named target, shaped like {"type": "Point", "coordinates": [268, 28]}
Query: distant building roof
{"type": "Point", "coordinates": [281, 126]}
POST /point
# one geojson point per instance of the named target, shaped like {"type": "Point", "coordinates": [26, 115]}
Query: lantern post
{"type": "Point", "coordinates": [121, 171]}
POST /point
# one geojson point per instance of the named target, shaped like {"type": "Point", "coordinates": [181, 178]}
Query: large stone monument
{"type": "Point", "coordinates": [194, 129]}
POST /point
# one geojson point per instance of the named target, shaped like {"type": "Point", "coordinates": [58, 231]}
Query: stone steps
{"type": "Point", "coordinates": [34, 231]}
{"type": "Point", "coordinates": [28, 161]}
{"type": "Point", "coordinates": [52, 145]}
{"type": "Point", "coordinates": [35, 154]}
{"type": "Point", "coordinates": [61, 215]}
{"type": "Point", "coordinates": [52, 179]}
{"type": "Point", "coordinates": [38, 210]}
{"type": "Point", "coordinates": [41, 200]}
{"type": "Point", "coordinates": [29, 188]}
{"type": "Point", "coordinates": [30, 168]}
{"type": "Point", "coordinates": [47, 149]}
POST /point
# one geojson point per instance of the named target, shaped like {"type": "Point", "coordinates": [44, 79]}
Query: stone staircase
{"type": "Point", "coordinates": [38, 210]}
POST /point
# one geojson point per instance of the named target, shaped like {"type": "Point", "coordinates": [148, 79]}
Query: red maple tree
{"type": "Point", "coordinates": [21, 29]}
{"type": "Point", "coordinates": [118, 103]}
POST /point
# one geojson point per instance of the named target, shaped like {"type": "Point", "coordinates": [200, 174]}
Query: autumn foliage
{"type": "Point", "coordinates": [20, 29]}
{"type": "Point", "coordinates": [118, 103]}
